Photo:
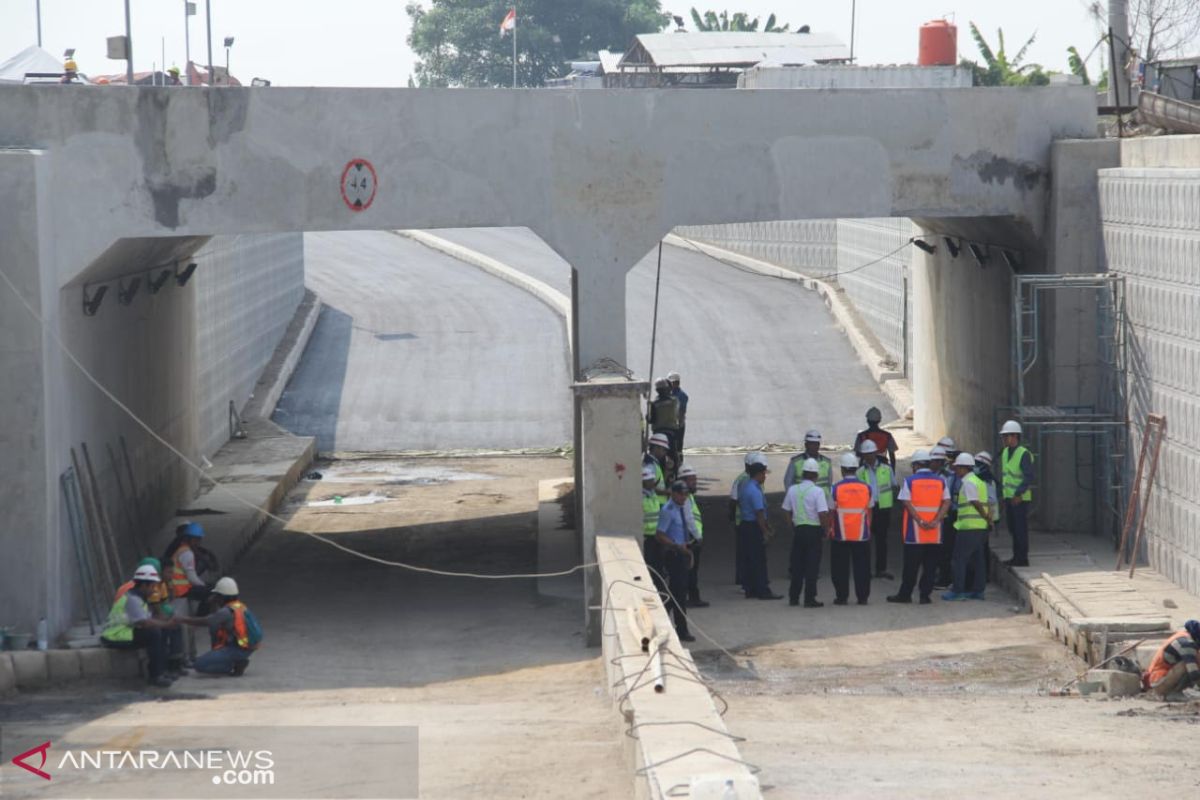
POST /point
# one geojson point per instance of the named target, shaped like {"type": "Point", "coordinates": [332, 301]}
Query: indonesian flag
{"type": "Point", "coordinates": [510, 21]}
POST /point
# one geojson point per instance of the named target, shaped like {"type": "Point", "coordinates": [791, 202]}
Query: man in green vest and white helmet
{"type": "Point", "coordinates": [812, 449]}
{"type": "Point", "coordinates": [971, 525]}
{"type": "Point", "coordinates": [878, 474]}
{"type": "Point", "coordinates": [1016, 476]}
{"type": "Point", "coordinates": [132, 626]}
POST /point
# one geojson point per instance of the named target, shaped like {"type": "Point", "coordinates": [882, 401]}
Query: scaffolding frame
{"type": "Point", "coordinates": [1101, 428]}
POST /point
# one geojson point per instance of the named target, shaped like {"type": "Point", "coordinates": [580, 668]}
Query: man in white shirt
{"type": "Point", "coordinates": [805, 502]}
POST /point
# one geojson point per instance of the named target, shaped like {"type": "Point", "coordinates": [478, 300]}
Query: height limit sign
{"type": "Point", "coordinates": [358, 184]}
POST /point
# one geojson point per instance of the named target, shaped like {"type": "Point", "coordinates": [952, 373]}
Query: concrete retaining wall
{"type": "Point", "coordinates": [805, 245]}
{"type": "Point", "coordinates": [1151, 220]}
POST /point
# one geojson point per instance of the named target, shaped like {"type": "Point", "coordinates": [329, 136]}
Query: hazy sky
{"type": "Point", "coordinates": [362, 42]}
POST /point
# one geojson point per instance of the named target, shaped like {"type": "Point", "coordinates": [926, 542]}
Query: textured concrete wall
{"type": "Point", "coordinates": [1151, 222]}
{"type": "Point", "coordinates": [805, 245]}
{"type": "Point", "coordinates": [873, 267]}
{"type": "Point", "coordinates": [247, 289]}
{"type": "Point", "coordinates": [866, 77]}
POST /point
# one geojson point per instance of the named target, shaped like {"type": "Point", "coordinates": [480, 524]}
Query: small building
{"type": "Point", "coordinates": [716, 59]}
{"type": "Point", "coordinates": [1177, 78]}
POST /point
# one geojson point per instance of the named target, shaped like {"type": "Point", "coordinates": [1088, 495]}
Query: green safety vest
{"type": "Point", "coordinates": [696, 517]}
{"type": "Point", "coordinates": [1010, 472]}
{"type": "Point", "coordinates": [650, 508]}
{"type": "Point", "coordinates": [883, 482]}
{"type": "Point", "coordinates": [969, 518]}
{"type": "Point", "coordinates": [117, 628]}
{"type": "Point", "coordinates": [800, 513]}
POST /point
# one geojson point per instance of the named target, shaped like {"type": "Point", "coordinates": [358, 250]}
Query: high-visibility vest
{"type": "Point", "coordinates": [240, 635]}
{"type": "Point", "coordinates": [824, 475]}
{"type": "Point", "coordinates": [925, 490]}
{"type": "Point", "coordinates": [1158, 665]}
{"type": "Point", "coordinates": [737, 496]}
{"type": "Point", "coordinates": [800, 513]}
{"type": "Point", "coordinates": [969, 518]}
{"type": "Point", "coordinates": [696, 517]}
{"type": "Point", "coordinates": [883, 482]}
{"type": "Point", "coordinates": [117, 627]}
{"type": "Point", "coordinates": [795, 472]}
{"type": "Point", "coordinates": [1011, 474]}
{"type": "Point", "coordinates": [881, 438]}
{"type": "Point", "coordinates": [853, 500]}
{"type": "Point", "coordinates": [992, 503]}
{"type": "Point", "coordinates": [176, 576]}
{"type": "Point", "coordinates": [666, 414]}
{"type": "Point", "coordinates": [651, 504]}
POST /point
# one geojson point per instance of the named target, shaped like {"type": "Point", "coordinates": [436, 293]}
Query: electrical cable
{"type": "Point", "coordinates": [701, 249]}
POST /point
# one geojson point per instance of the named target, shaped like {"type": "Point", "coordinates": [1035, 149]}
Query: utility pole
{"type": "Point", "coordinates": [208, 25]}
{"type": "Point", "coordinates": [39, 22]}
{"type": "Point", "coordinates": [515, 20]}
{"type": "Point", "coordinates": [128, 47]}
{"type": "Point", "coordinates": [187, 41]}
{"type": "Point", "coordinates": [1118, 68]}
{"type": "Point", "coordinates": [853, 19]}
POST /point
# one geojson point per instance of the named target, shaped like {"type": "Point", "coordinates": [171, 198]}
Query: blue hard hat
{"type": "Point", "coordinates": [1193, 627]}
{"type": "Point", "coordinates": [193, 529]}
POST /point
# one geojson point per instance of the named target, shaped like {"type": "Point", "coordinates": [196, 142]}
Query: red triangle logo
{"type": "Point", "coordinates": [20, 760]}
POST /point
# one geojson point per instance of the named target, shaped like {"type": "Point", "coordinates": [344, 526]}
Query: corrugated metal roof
{"type": "Point", "coordinates": [609, 61]}
{"type": "Point", "coordinates": [732, 49]}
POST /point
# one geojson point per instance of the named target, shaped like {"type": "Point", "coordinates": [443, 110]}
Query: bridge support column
{"type": "Point", "coordinates": [608, 442]}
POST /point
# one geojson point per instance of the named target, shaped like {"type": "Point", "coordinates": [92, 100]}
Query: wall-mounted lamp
{"type": "Point", "coordinates": [125, 294]}
{"type": "Point", "coordinates": [924, 245]}
{"type": "Point", "coordinates": [183, 277]}
{"type": "Point", "coordinates": [92, 304]}
{"type": "Point", "coordinates": [154, 284]}
{"type": "Point", "coordinates": [980, 253]}
{"type": "Point", "coordinates": [952, 246]}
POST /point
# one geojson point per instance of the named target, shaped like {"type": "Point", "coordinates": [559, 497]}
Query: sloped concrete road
{"type": "Point", "coordinates": [416, 350]}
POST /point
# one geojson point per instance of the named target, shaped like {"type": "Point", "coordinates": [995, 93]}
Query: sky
{"type": "Point", "coordinates": [362, 42]}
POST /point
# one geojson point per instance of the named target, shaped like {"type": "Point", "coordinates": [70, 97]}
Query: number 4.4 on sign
{"type": "Point", "coordinates": [359, 183]}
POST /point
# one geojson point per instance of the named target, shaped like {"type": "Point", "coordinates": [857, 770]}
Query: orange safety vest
{"type": "Point", "coordinates": [241, 637]}
{"type": "Point", "coordinates": [123, 588]}
{"type": "Point", "coordinates": [176, 576]}
{"type": "Point", "coordinates": [1159, 666]}
{"type": "Point", "coordinates": [925, 494]}
{"type": "Point", "coordinates": [853, 500]}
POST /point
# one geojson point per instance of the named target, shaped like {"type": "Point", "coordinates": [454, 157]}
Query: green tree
{"type": "Point", "coordinates": [1000, 70]}
{"type": "Point", "coordinates": [712, 21]}
{"type": "Point", "coordinates": [1077, 64]}
{"type": "Point", "coordinates": [458, 43]}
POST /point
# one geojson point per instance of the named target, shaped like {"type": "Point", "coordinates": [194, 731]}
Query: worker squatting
{"type": "Point", "coordinates": [148, 613]}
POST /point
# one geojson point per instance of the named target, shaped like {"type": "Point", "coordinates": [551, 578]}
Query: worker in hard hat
{"type": "Point", "coordinates": [180, 558]}
{"type": "Point", "coordinates": [881, 478]}
{"type": "Point", "coordinates": [131, 625]}
{"type": "Point", "coordinates": [652, 502]}
{"type": "Point", "coordinates": [754, 531]}
{"type": "Point", "coordinates": [682, 396]}
{"type": "Point", "coordinates": [658, 457]}
{"type": "Point", "coordinates": [806, 504]}
{"type": "Point", "coordinates": [676, 528]}
{"type": "Point", "coordinates": [925, 499]}
{"type": "Point", "coordinates": [812, 449]}
{"type": "Point", "coordinates": [885, 443]}
{"type": "Point", "coordinates": [665, 416]}
{"type": "Point", "coordinates": [1176, 665]}
{"type": "Point", "coordinates": [939, 462]}
{"type": "Point", "coordinates": [173, 76]}
{"type": "Point", "coordinates": [850, 543]}
{"type": "Point", "coordinates": [971, 524]}
{"type": "Point", "coordinates": [70, 72]}
{"type": "Point", "coordinates": [696, 545]}
{"type": "Point", "coordinates": [983, 468]}
{"type": "Point", "coordinates": [1016, 478]}
{"type": "Point", "coordinates": [735, 512]}
{"type": "Point", "coordinates": [233, 630]}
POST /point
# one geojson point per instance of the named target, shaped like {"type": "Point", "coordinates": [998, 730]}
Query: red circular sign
{"type": "Point", "coordinates": [358, 184]}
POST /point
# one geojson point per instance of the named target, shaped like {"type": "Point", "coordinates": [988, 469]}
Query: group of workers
{"type": "Point", "coordinates": [949, 505]}
{"type": "Point", "coordinates": [150, 609]}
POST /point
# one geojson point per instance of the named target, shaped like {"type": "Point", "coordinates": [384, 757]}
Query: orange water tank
{"type": "Point", "coordinates": [938, 44]}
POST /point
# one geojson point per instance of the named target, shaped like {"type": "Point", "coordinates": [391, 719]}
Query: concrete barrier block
{"type": "Point", "coordinates": [1116, 683]}
{"type": "Point", "coordinates": [8, 675]}
{"type": "Point", "coordinates": [96, 662]}
{"type": "Point", "coordinates": [31, 668]}
{"type": "Point", "coordinates": [125, 663]}
{"type": "Point", "coordinates": [63, 666]}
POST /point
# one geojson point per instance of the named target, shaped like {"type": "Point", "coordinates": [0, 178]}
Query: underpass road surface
{"type": "Point", "coordinates": [415, 350]}
{"type": "Point", "coordinates": [761, 359]}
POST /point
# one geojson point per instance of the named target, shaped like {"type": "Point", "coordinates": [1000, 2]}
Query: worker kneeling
{"type": "Point", "coordinates": [234, 630]}
{"type": "Point", "coordinates": [1176, 665]}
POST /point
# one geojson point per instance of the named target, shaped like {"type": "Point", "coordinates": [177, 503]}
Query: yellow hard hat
{"type": "Point", "coordinates": [69, 65]}
{"type": "Point", "coordinates": [174, 71]}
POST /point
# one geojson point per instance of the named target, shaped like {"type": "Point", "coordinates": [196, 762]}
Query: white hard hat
{"type": "Point", "coordinates": [687, 472]}
{"type": "Point", "coordinates": [964, 460]}
{"type": "Point", "coordinates": [812, 435]}
{"type": "Point", "coordinates": [984, 456]}
{"type": "Point", "coordinates": [226, 587]}
{"type": "Point", "coordinates": [648, 474]}
{"type": "Point", "coordinates": [937, 452]}
{"type": "Point", "coordinates": [756, 458]}
{"type": "Point", "coordinates": [661, 440]}
{"type": "Point", "coordinates": [867, 447]}
{"type": "Point", "coordinates": [659, 383]}
{"type": "Point", "coordinates": [920, 455]}
{"type": "Point", "coordinates": [810, 465]}
{"type": "Point", "coordinates": [672, 376]}
{"type": "Point", "coordinates": [947, 443]}
{"type": "Point", "coordinates": [1012, 426]}
{"type": "Point", "coordinates": [849, 461]}
{"type": "Point", "coordinates": [146, 572]}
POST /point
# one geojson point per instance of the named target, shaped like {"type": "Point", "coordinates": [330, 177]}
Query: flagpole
{"type": "Point", "coordinates": [514, 44]}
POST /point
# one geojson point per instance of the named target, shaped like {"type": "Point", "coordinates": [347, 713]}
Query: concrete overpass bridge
{"type": "Point", "coordinates": [100, 184]}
